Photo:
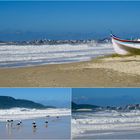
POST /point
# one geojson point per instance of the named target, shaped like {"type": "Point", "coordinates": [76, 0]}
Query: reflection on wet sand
{"type": "Point", "coordinates": [44, 127]}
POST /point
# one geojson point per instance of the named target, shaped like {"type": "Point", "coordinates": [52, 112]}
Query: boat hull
{"type": "Point", "coordinates": [123, 47]}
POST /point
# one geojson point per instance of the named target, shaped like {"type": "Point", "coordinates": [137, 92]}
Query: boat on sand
{"type": "Point", "coordinates": [124, 47]}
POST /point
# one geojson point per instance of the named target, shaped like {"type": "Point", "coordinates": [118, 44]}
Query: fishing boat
{"type": "Point", "coordinates": [124, 47]}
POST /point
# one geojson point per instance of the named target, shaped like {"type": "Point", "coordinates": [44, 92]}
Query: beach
{"type": "Point", "coordinates": [60, 127]}
{"type": "Point", "coordinates": [109, 71]}
{"type": "Point", "coordinates": [58, 124]}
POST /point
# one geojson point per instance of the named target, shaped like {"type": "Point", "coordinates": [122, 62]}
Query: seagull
{"type": "Point", "coordinates": [34, 122]}
{"type": "Point", "coordinates": [8, 121]}
{"type": "Point", "coordinates": [34, 125]}
{"type": "Point", "coordinates": [18, 123]}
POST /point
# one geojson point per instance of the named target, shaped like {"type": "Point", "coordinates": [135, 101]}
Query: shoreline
{"type": "Point", "coordinates": [106, 71]}
{"type": "Point", "coordinates": [103, 125]}
{"type": "Point", "coordinates": [59, 126]}
{"type": "Point", "coordinates": [110, 134]}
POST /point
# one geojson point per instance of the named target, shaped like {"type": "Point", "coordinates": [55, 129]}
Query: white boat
{"type": "Point", "coordinates": [124, 47]}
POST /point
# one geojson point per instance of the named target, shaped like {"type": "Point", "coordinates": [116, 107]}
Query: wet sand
{"type": "Point", "coordinates": [101, 72]}
{"type": "Point", "coordinates": [56, 129]}
{"type": "Point", "coordinates": [111, 134]}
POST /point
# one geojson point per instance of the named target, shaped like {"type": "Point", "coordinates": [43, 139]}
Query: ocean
{"type": "Point", "coordinates": [106, 125]}
{"type": "Point", "coordinates": [25, 113]}
{"type": "Point", "coordinates": [34, 55]}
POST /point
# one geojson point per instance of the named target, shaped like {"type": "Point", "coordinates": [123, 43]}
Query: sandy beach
{"type": "Point", "coordinates": [60, 127]}
{"type": "Point", "coordinates": [102, 72]}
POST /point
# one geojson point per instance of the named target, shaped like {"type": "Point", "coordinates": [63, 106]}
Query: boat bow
{"type": "Point", "coordinates": [124, 47]}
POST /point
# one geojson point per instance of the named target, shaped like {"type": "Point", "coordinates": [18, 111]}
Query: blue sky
{"type": "Point", "coordinates": [106, 96]}
{"type": "Point", "coordinates": [68, 19]}
{"type": "Point", "coordinates": [49, 96]}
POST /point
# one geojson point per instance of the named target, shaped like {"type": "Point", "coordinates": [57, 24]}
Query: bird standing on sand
{"type": "Point", "coordinates": [34, 125]}
{"type": "Point", "coordinates": [18, 124]}
{"type": "Point", "coordinates": [9, 121]}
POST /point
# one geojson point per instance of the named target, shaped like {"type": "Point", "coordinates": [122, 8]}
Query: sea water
{"type": "Point", "coordinates": [106, 124]}
{"type": "Point", "coordinates": [32, 55]}
{"type": "Point", "coordinates": [24, 113]}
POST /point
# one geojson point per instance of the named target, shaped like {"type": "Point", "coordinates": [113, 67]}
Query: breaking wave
{"type": "Point", "coordinates": [32, 55]}
{"type": "Point", "coordinates": [24, 113]}
{"type": "Point", "coordinates": [112, 120]}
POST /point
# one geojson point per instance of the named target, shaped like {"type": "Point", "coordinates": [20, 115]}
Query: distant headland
{"type": "Point", "coordinates": [7, 102]}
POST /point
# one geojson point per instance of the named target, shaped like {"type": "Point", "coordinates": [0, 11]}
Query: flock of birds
{"type": "Point", "coordinates": [34, 125]}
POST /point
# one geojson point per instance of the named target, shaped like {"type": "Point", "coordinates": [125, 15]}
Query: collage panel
{"type": "Point", "coordinates": [69, 113]}
{"type": "Point", "coordinates": [65, 56]}
{"type": "Point", "coordinates": [105, 113]}
{"type": "Point", "coordinates": [69, 43]}
{"type": "Point", "coordinates": [35, 113]}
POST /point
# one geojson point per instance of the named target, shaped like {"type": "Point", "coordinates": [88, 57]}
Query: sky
{"type": "Point", "coordinates": [106, 96]}
{"type": "Point", "coordinates": [60, 97]}
{"type": "Point", "coordinates": [23, 20]}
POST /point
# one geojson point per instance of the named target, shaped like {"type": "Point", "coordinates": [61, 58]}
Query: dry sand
{"type": "Point", "coordinates": [102, 72]}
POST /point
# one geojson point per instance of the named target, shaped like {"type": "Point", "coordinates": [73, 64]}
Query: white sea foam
{"type": "Point", "coordinates": [23, 113]}
{"type": "Point", "coordinates": [105, 121]}
{"type": "Point", "coordinates": [30, 55]}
